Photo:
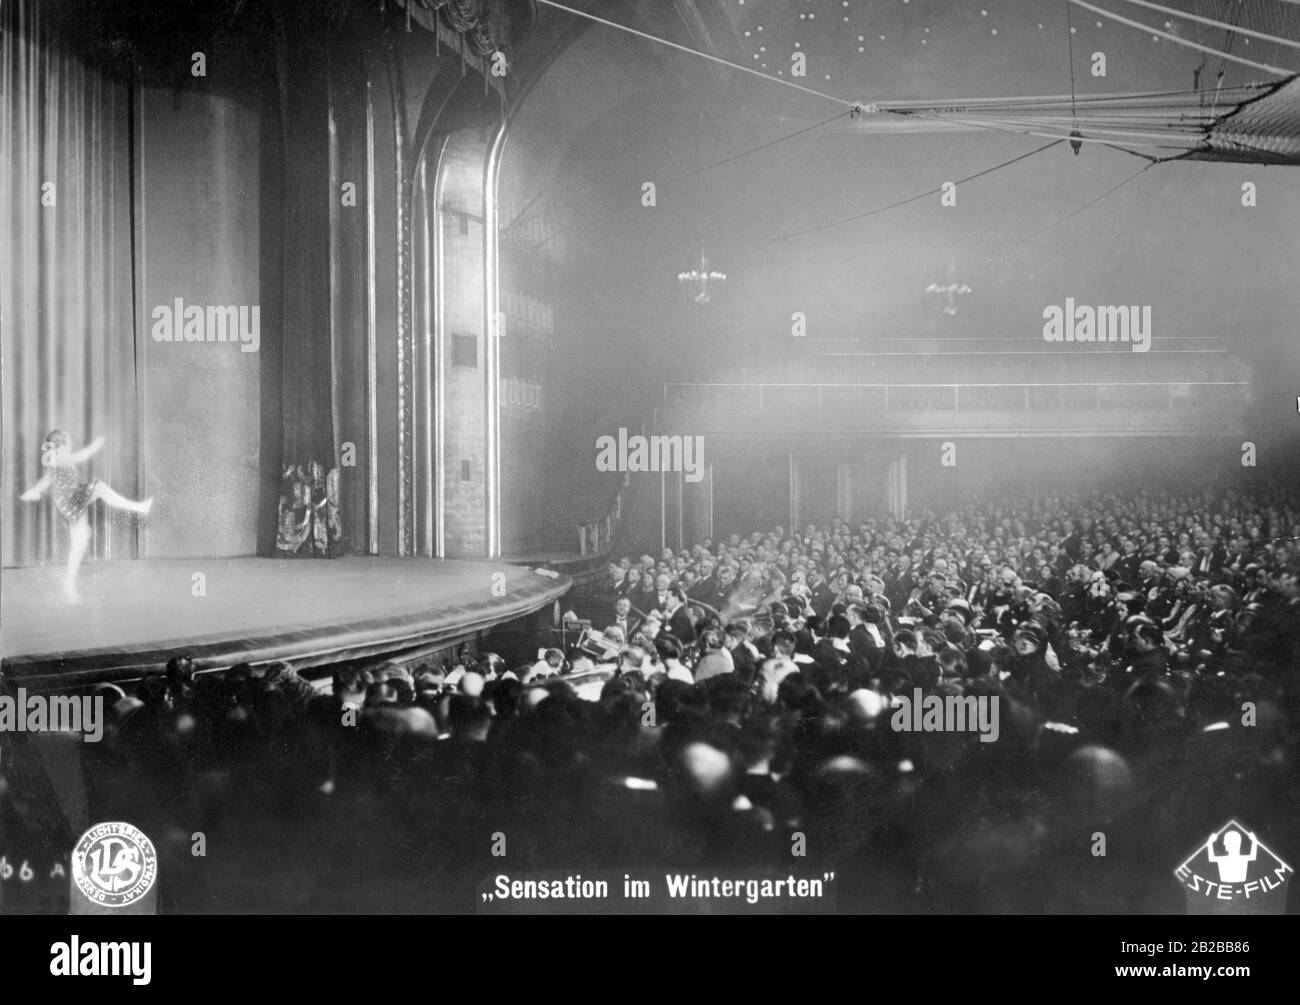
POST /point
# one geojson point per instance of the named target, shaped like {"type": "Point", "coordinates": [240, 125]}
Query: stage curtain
{"type": "Point", "coordinates": [67, 331]}
{"type": "Point", "coordinates": [308, 378]}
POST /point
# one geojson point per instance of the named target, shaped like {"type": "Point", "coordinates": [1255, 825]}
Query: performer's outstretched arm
{"type": "Point", "coordinates": [77, 456]}
{"type": "Point", "coordinates": [37, 490]}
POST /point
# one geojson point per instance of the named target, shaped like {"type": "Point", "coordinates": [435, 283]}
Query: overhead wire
{"type": "Point", "coordinates": [919, 195]}
{"type": "Point", "coordinates": [761, 147]}
{"type": "Point", "coordinates": [1070, 216]}
{"type": "Point", "coordinates": [696, 52]}
{"type": "Point", "coordinates": [1153, 110]}
{"type": "Point", "coordinates": [982, 124]}
{"type": "Point", "coordinates": [708, 167]}
{"type": "Point", "coordinates": [1265, 36]}
{"type": "Point", "coordinates": [1267, 68]}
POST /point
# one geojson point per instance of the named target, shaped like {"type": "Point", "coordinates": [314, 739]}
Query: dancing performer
{"type": "Point", "coordinates": [72, 497]}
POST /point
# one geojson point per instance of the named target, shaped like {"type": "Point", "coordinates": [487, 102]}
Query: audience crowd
{"type": "Point", "coordinates": [732, 712]}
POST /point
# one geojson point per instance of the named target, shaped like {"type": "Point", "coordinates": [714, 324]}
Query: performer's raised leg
{"type": "Point", "coordinates": [79, 540]}
{"type": "Point", "coordinates": [118, 501]}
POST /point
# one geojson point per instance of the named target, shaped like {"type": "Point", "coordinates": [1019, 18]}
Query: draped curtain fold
{"type": "Point", "coordinates": [308, 379]}
{"type": "Point", "coordinates": [67, 327]}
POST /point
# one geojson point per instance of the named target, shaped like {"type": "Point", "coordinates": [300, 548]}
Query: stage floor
{"type": "Point", "coordinates": [133, 616]}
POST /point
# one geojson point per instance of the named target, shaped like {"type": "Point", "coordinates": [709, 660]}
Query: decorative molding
{"type": "Point", "coordinates": [464, 27]}
{"type": "Point", "coordinates": [334, 225]}
{"type": "Point", "coordinates": [140, 236]}
{"type": "Point", "coordinates": [492, 342]}
{"type": "Point", "coordinates": [439, 356]}
{"type": "Point", "coordinates": [405, 334]}
{"type": "Point", "coordinates": [372, 360]}
{"type": "Point", "coordinates": [428, 440]}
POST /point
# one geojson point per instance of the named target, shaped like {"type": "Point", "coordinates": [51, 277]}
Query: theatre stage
{"type": "Point", "coordinates": [133, 616]}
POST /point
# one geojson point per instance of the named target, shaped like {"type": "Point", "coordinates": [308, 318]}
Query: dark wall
{"type": "Point", "coordinates": [751, 487]}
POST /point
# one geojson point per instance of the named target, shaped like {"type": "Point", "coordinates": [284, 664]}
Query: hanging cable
{"type": "Point", "coordinates": [696, 52]}
{"type": "Point", "coordinates": [981, 124]}
{"type": "Point", "coordinates": [1181, 41]}
{"type": "Point", "coordinates": [1217, 24]}
{"type": "Point", "coordinates": [1069, 216]}
{"type": "Point", "coordinates": [921, 195]}
{"type": "Point", "coordinates": [1191, 133]}
{"type": "Point", "coordinates": [709, 167]}
{"type": "Point", "coordinates": [1223, 66]}
{"type": "Point", "coordinates": [1075, 145]}
{"type": "Point", "coordinates": [1060, 99]}
{"type": "Point", "coordinates": [761, 147]}
{"type": "Point", "coordinates": [1138, 153]}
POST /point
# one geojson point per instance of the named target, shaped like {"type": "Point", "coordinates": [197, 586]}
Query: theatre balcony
{"type": "Point", "coordinates": [957, 409]}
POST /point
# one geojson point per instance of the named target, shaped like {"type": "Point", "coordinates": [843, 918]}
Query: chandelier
{"type": "Point", "coordinates": [702, 280]}
{"type": "Point", "coordinates": [950, 289]}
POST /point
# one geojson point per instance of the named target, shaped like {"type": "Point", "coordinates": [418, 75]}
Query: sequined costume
{"type": "Point", "coordinates": [72, 496]}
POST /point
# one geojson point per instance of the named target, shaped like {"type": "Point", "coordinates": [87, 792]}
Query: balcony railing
{"type": "Point", "coordinates": [839, 398]}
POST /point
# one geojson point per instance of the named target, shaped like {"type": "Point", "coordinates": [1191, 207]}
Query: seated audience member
{"type": "Point", "coordinates": [624, 620]}
{"type": "Point", "coordinates": [670, 651]}
{"type": "Point", "coordinates": [679, 621]}
{"type": "Point", "coordinates": [715, 658]}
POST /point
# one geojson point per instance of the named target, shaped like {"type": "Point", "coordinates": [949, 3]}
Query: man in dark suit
{"type": "Point", "coordinates": [831, 652]}
{"type": "Point", "coordinates": [921, 673]}
{"type": "Point", "coordinates": [1129, 561]}
{"type": "Point", "coordinates": [624, 619]}
{"type": "Point", "coordinates": [706, 587]}
{"type": "Point", "coordinates": [807, 637]}
{"type": "Point", "coordinates": [823, 594]}
{"type": "Point", "coordinates": [1210, 558]}
{"type": "Point", "coordinates": [899, 583]}
{"type": "Point", "coordinates": [679, 617]}
{"type": "Point", "coordinates": [663, 589]}
{"type": "Point", "coordinates": [863, 643]}
{"type": "Point", "coordinates": [614, 583]}
{"type": "Point", "coordinates": [743, 655]}
{"type": "Point", "coordinates": [723, 588]}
